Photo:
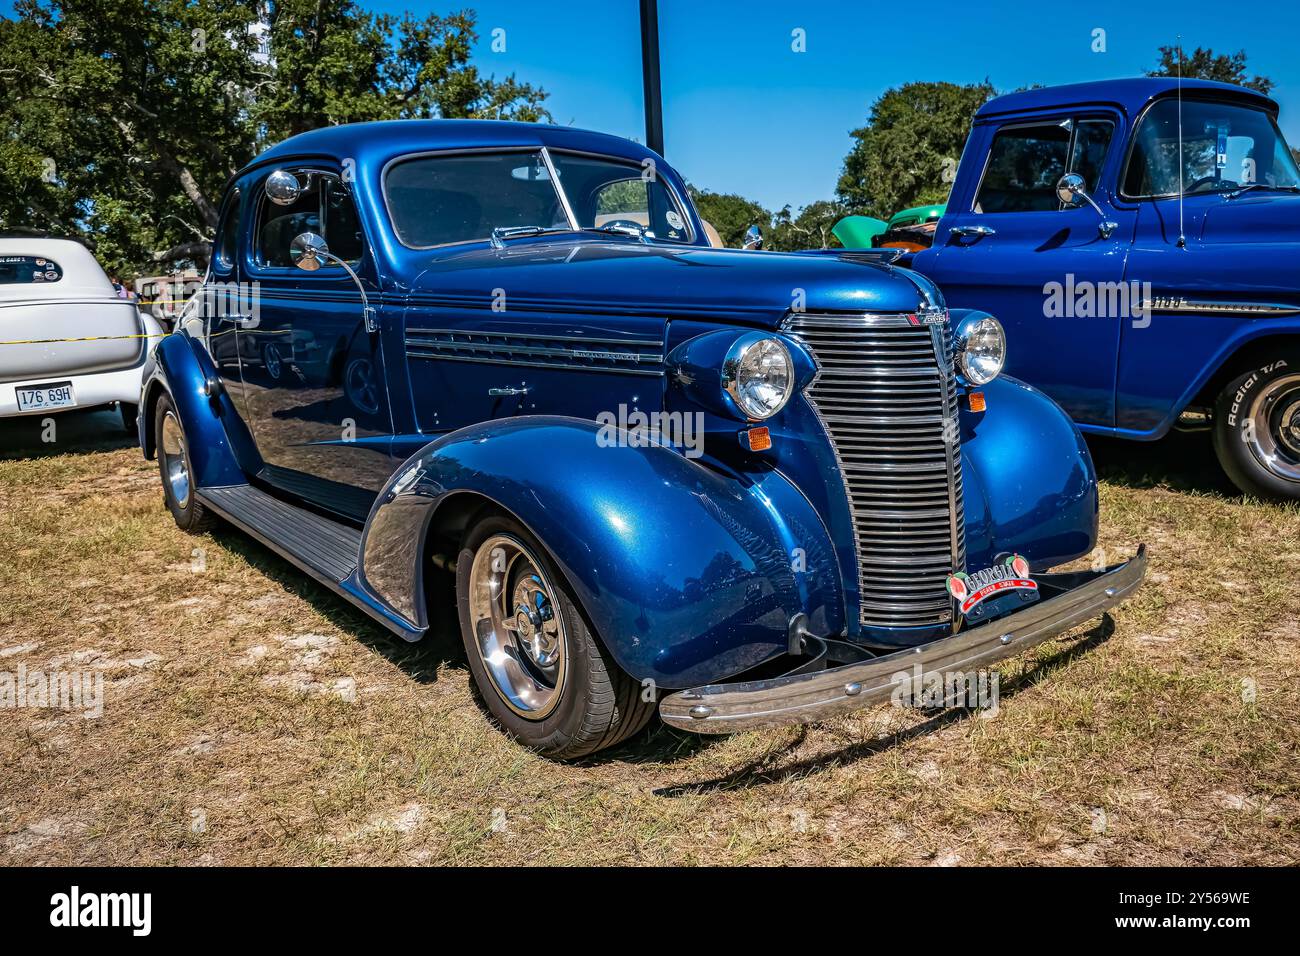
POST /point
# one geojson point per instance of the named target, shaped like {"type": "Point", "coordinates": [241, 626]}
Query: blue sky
{"type": "Point", "coordinates": [744, 113]}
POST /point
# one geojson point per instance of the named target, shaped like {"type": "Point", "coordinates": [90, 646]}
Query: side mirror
{"type": "Point", "coordinates": [308, 251]}
{"type": "Point", "coordinates": [1071, 191]}
{"type": "Point", "coordinates": [753, 238]}
{"type": "Point", "coordinates": [282, 188]}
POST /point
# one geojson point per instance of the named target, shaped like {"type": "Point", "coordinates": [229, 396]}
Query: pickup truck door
{"type": "Point", "coordinates": [1008, 246]}
{"type": "Point", "coordinates": [313, 373]}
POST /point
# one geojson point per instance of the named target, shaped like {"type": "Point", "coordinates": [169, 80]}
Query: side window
{"type": "Point", "coordinates": [623, 200]}
{"type": "Point", "coordinates": [1026, 162]}
{"type": "Point", "coordinates": [325, 207]}
{"type": "Point", "coordinates": [1024, 165]}
{"type": "Point", "coordinates": [225, 252]}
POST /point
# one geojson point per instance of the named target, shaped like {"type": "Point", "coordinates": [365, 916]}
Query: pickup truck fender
{"type": "Point", "coordinates": [218, 439]}
{"type": "Point", "coordinates": [687, 574]}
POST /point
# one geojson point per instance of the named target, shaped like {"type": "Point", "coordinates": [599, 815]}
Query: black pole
{"type": "Point", "coordinates": [654, 107]}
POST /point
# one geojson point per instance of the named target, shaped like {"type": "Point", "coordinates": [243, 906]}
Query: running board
{"type": "Point", "coordinates": [324, 548]}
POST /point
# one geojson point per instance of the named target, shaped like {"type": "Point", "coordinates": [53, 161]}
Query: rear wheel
{"type": "Point", "coordinates": [177, 475]}
{"type": "Point", "coordinates": [539, 668]}
{"type": "Point", "coordinates": [1257, 427]}
{"type": "Point", "coordinates": [129, 414]}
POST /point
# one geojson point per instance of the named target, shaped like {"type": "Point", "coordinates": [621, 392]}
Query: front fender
{"type": "Point", "coordinates": [687, 573]}
{"type": "Point", "coordinates": [1030, 486]}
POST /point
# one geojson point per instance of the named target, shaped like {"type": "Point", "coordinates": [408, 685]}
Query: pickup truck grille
{"type": "Point", "coordinates": [885, 392]}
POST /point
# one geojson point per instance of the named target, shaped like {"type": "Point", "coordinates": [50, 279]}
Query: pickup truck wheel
{"type": "Point", "coordinates": [1257, 428]}
{"type": "Point", "coordinates": [539, 669]}
{"type": "Point", "coordinates": [177, 475]}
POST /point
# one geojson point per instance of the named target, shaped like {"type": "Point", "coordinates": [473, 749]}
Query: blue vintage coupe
{"type": "Point", "coordinates": [497, 367]}
{"type": "Point", "coordinates": [1139, 240]}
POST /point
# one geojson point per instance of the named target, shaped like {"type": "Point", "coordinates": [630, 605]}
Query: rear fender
{"type": "Point", "coordinates": [687, 573]}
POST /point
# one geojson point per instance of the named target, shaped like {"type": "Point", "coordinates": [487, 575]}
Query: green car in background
{"type": "Point", "coordinates": [910, 229]}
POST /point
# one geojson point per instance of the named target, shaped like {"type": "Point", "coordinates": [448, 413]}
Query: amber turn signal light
{"type": "Point", "coordinates": [976, 400]}
{"type": "Point", "coordinates": [756, 439]}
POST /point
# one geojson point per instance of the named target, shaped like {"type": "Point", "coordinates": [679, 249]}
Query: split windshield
{"type": "Point", "coordinates": [1225, 147]}
{"type": "Point", "coordinates": [439, 200]}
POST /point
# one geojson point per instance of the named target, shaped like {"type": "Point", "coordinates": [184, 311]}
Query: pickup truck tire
{"type": "Point", "coordinates": [175, 471]}
{"type": "Point", "coordinates": [538, 667]}
{"type": "Point", "coordinates": [1257, 427]}
{"type": "Point", "coordinates": [129, 412]}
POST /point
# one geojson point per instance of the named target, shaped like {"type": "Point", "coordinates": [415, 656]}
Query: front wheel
{"type": "Point", "coordinates": [1257, 427]}
{"type": "Point", "coordinates": [539, 668]}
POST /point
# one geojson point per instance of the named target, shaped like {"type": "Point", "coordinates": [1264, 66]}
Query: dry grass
{"type": "Point", "coordinates": [251, 718]}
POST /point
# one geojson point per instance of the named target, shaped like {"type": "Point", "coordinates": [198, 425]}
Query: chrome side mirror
{"type": "Point", "coordinates": [753, 238]}
{"type": "Point", "coordinates": [308, 251]}
{"type": "Point", "coordinates": [282, 188]}
{"type": "Point", "coordinates": [1071, 190]}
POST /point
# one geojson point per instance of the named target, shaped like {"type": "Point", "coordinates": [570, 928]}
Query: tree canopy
{"type": "Point", "coordinates": [1204, 64]}
{"type": "Point", "coordinates": [908, 151]}
{"type": "Point", "coordinates": [123, 119]}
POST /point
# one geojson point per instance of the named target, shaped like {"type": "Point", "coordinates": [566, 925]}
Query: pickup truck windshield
{"type": "Point", "coordinates": [440, 200]}
{"type": "Point", "coordinates": [1225, 146]}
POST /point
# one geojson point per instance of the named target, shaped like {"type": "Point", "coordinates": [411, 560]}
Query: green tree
{"type": "Point", "coordinates": [123, 119]}
{"type": "Point", "coordinates": [730, 214]}
{"type": "Point", "coordinates": [1204, 64]}
{"type": "Point", "coordinates": [906, 154]}
{"type": "Point", "coordinates": [810, 229]}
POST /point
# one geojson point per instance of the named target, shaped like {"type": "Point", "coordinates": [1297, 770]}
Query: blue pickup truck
{"type": "Point", "coordinates": [496, 369]}
{"type": "Point", "coordinates": [1140, 241]}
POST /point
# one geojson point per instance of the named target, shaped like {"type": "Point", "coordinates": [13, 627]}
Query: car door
{"type": "Point", "coordinates": [1009, 246]}
{"type": "Point", "coordinates": [313, 372]}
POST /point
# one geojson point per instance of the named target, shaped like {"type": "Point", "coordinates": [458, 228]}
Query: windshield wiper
{"type": "Point", "coordinates": [501, 233]}
{"type": "Point", "coordinates": [625, 228]}
{"type": "Point", "coordinates": [1233, 194]}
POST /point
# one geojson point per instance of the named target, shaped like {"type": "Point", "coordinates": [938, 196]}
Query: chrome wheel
{"type": "Point", "coordinates": [175, 469]}
{"type": "Point", "coordinates": [518, 631]}
{"type": "Point", "coordinates": [1274, 437]}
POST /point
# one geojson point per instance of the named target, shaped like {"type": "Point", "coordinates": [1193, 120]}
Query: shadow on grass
{"type": "Point", "coordinates": [1181, 461]}
{"type": "Point", "coordinates": [763, 771]}
{"type": "Point", "coordinates": [420, 660]}
{"type": "Point", "coordinates": [81, 430]}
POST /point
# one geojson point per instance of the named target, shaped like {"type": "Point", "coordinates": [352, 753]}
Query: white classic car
{"type": "Point", "coordinates": [66, 339]}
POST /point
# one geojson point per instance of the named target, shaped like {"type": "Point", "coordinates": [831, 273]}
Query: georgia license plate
{"type": "Point", "coordinates": [53, 395]}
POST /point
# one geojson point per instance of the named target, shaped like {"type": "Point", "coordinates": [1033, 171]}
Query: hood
{"type": "Point", "coordinates": [1253, 217]}
{"type": "Point", "coordinates": [692, 281]}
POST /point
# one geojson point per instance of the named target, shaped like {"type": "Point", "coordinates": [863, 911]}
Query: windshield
{"type": "Point", "coordinates": [1225, 147]}
{"type": "Point", "coordinates": [440, 200]}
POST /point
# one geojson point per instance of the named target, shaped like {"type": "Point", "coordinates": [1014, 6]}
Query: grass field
{"type": "Point", "coordinates": [252, 718]}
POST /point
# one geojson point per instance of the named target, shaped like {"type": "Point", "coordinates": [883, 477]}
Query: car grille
{"type": "Point", "coordinates": [886, 393]}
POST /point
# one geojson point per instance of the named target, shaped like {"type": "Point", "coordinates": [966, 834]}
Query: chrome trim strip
{"type": "Point", "coordinates": [1179, 304]}
{"type": "Point", "coordinates": [801, 698]}
{"type": "Point", "coordinates": [937, 333]}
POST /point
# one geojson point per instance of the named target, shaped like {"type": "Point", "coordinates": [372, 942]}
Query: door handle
{"type": "Point", "coordinates": [506, 392]}
{"type": "Point", "coordinates": [977, 231]}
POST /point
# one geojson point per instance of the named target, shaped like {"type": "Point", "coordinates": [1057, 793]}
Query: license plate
{"type": "Point", "coordinates": [53, 395]}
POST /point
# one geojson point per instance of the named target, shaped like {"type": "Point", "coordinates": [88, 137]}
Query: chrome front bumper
{"type": "Point", "coordinates": [1068, 600]}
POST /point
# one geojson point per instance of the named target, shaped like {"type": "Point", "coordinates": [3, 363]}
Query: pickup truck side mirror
{"type": "Point", "coordinates": [753, 238]}
{"type": "Point", "coordinates": [309, 252]}
{"type": "Point", "coordinates": [282, 188]}
{"type": "Point", "coordinates": [1072, 191]}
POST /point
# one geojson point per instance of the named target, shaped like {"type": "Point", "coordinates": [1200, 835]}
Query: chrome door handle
{"type": "Point", "coordinates": [505, 392]}
{"type": "Point", "coordinates": [973, 231]}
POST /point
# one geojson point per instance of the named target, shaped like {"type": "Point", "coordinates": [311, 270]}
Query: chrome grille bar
{"type": "Point", "coordinates": [886, 392]}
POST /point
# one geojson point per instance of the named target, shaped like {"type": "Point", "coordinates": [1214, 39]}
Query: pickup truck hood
{"type": "Point", "coordinates": [1254, 217]}
{"type": "Point", "coordinates": [613, 276]}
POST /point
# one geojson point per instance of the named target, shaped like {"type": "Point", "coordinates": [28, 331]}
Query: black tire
{"type": "Point", "coordinates": [129, 415]}
{"type": "Point", "coordinates": [1257, 416]}
{"type": "Point", "coordinates": [599, 705]}
{"type": "Point", "coordinates": [190, 514]}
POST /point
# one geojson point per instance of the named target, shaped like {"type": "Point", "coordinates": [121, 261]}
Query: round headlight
{"type": "Point", "coordinates": [981, 349]}
{"type": "Point", "coordinates": [758, 374]}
